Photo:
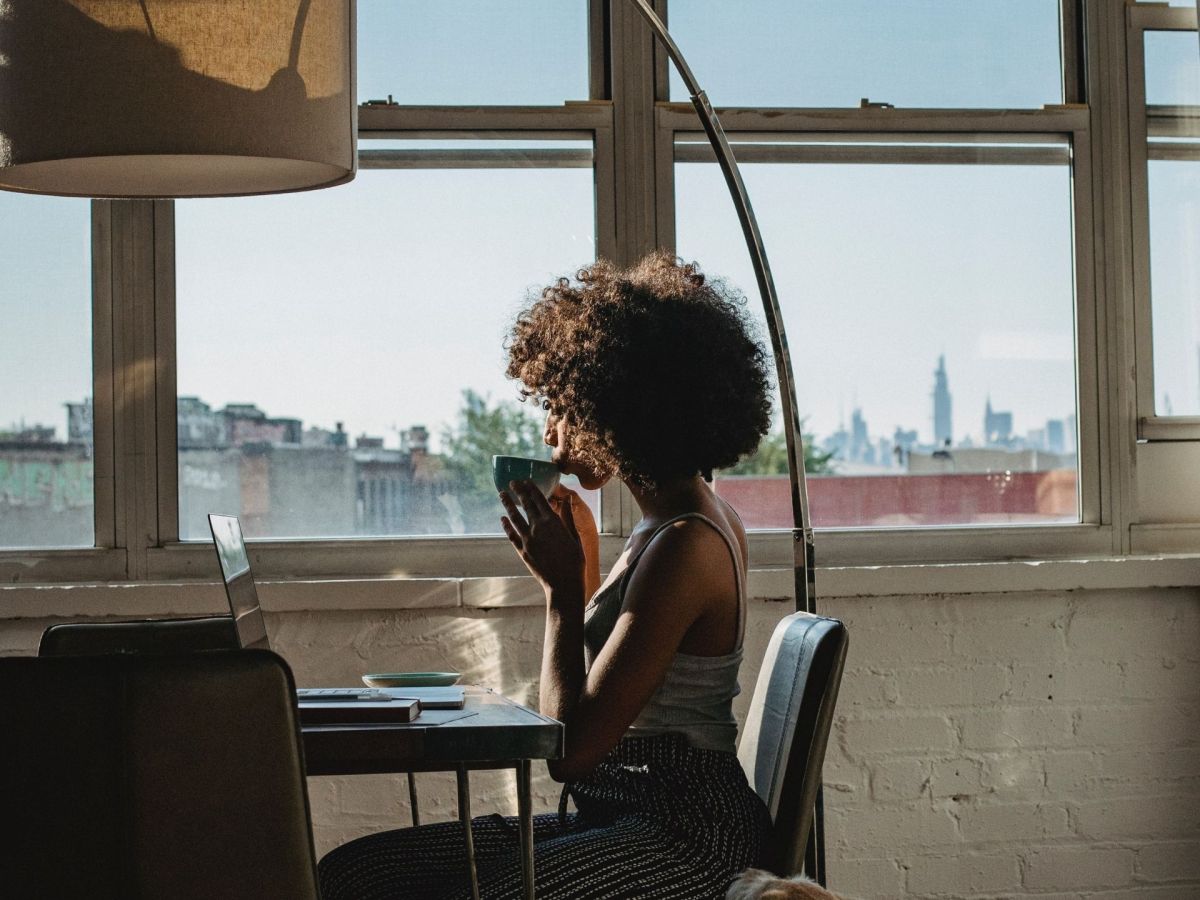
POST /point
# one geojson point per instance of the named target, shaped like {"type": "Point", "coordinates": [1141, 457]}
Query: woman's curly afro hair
{"type": "Point", "coordinates": [657, 370]}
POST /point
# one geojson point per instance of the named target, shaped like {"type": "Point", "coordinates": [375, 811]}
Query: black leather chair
{"type": "Point", "coordinates": [148, 636]}
{"type": "Point", "coordinates": [153, 776]}
{"type": "Point", "coordinates": [783, 742]}
{"type": "Point", "coordinates": [158, 636]}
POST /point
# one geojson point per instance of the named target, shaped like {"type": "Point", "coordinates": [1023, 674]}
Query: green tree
{"type": "Point", "coordinates": [771, 457]}
{"type": "Point", "coordinates": [482, 430]}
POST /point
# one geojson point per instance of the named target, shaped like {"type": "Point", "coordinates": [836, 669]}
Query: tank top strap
{"type": "Point", "coordinates": [734, 554]}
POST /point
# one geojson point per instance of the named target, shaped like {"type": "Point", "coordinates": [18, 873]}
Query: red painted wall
{"type": "Point", "coordinates": [879, 500]}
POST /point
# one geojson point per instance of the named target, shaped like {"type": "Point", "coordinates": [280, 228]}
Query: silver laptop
{"type": "Point", "coordinates": [252, 629]}
{"type": "Point", "coordinates": [239, 583]}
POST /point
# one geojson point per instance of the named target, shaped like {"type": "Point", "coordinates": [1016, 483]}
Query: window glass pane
{"type": "Point", "coordinates": [921, 53]}
{"type": "Point", "coordinates": [1174, 187]}
{"type": "Point", "coordinates": [466, 52]}
{"type": "Point", "coordinates": [1172, 68]}
{"type": "Point", "coordinates": [341, 360]}
{"type": "Point", "coordinates": [46, 476]}
{"type": "Point", "coordinates": [930, 316]}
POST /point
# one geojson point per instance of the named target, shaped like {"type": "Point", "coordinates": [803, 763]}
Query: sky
{"type": "Point", "coordinates": [376, 303]}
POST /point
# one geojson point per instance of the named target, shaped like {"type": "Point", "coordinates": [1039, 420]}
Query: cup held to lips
{"type": "Point", "coordinates": [541, 472]}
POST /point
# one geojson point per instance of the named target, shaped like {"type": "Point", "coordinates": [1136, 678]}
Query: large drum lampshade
{"type": "Point", "coordinates": [176, 98]}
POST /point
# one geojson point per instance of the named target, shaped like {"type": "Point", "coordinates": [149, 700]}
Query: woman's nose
{"type": "Point", "coordinates": [550, 432]}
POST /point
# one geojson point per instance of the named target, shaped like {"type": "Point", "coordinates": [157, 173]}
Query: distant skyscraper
{"type": "Point", "coordinates": [906, 440]}
{"type": "Point", "coordinates": [1056, 436]}
{"type": "Point", "coordinates": [943, 430]}
{"type": "Point", "coordinates": [860, 441]}
{"type": "Point", "coordinates": [997, 426]}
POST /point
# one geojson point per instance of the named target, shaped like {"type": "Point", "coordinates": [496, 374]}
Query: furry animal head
{"type": "Point", "coordinates": [755, 884]}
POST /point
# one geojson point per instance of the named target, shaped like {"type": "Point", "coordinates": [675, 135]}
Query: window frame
{"type": "Point", "coordinates": [1151, 426]}
{"type": "Point", "coordinates": [418, 555]}
{"type": "Point", "coordinates": [846, 546]}
{"type": "Point", "coordinates": [633, 130]}
{"type": "Point", "coordinates": [1095, 533]}
{"type": "Point", "coordinates": [106, 560]}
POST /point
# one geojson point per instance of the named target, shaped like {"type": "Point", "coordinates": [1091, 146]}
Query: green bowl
{"type": "Point", "coordinates": [519, 468]}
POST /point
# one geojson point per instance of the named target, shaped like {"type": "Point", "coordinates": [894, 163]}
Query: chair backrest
{"type": "Point", "coordinates": [145, 776]}
{"type": "Point", "coordinates": [783, 742]}
{"type": "Point", "coordinates": [149, 636]}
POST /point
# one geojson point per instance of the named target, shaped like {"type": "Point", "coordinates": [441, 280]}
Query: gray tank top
{"type": "Point", "coordinates": [696, 699]}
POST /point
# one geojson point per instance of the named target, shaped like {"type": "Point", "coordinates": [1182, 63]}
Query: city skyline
{"type": "Point", "coordinates": [854, 444]}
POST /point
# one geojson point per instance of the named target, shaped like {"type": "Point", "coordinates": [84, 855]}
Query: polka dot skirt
{"type": "Point", "coordinates": [657, 819]}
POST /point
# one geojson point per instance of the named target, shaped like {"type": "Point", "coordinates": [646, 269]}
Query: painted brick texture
{"type": "Point", "coordinates": [1072, 766]}
{"type": "Point", "coordinates": [985, 746]}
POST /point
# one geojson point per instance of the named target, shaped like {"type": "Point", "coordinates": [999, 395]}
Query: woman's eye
{"type": "Point", "coordinates": [546, 405]}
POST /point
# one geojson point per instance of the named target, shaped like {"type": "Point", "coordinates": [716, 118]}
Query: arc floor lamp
{"type": "Point", "coordinates": [161, 98]}
{"type": "Point", "coordinates": [802, 532]}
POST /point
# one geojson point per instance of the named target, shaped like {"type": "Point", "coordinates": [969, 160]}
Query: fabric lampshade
{"type": "Point", "coordinates": [176, 98]}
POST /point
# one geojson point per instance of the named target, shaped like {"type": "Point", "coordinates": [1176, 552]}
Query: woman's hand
{"type": "Point", "coordinates": [545, 540]}
{"type": "Point", "coordinates": [561, 499]}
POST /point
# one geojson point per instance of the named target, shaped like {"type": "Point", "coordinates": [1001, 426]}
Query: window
{"type": "Point", "coordinates": [1173, 151]}
{"type": "Point", "coordinates": [340, 370]}
{"type": "Point", "coordinates": [46, 446]}
{"type": "Point", "coordinates": [341, 376]}
{"type": "Point", "coordinates": [935, 377]}
{"type": "Point", "coordinates": [1174, 183]}
{"type": "Point", "coordinates": [1165, 157]}
{"type": "Point", "coordinates": [915, 181]}
{"type": "Point", "coordinates": [977, 213]}
{"type": "Point", "coordinates": [340, 352]}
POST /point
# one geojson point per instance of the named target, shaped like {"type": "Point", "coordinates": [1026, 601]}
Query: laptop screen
{"type": "Point", "coordinates": [239, 583]}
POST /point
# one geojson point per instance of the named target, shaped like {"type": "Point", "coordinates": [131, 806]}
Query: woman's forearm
{"type": "Point", "coordinates": [562, 656]}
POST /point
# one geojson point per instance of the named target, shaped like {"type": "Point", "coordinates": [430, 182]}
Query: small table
{"type": "Point", "coordinates": [494, 733]}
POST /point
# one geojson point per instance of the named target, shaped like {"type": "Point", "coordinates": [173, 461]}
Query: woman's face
{"type": "Point", "coordinates": [557, 434]}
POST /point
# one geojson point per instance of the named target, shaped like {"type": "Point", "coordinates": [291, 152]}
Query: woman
{"type": "Point", "coordinates": [650, 375]}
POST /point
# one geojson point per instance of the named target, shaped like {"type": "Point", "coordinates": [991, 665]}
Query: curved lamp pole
{"type": "Point", "coordinates": [802, 533]}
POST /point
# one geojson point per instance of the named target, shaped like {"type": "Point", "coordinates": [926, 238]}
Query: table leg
{"type": "Point", "coordinates": [525, 815]}
{"type": "Point", "coordinates": [464, 816]}
{"type": "Point", "coordinates": [412, 799]}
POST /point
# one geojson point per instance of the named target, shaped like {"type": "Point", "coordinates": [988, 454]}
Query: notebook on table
{"type": "Point", "coordinates": [318, 706]}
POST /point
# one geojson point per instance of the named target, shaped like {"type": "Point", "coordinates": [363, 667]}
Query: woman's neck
{"type": "Point", "coordinates": [670, 499]}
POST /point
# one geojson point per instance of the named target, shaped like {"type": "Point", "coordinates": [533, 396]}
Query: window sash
{"type": "Point", "coordinates": [802, 136]}
{"type": "Point", "coordinates": [1147, 122]}
{"type": "Point", "coordinates": [573, 121]}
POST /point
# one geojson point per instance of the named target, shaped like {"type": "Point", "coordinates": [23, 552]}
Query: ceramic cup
{"type": "Point", "coordinates": [518, 468]}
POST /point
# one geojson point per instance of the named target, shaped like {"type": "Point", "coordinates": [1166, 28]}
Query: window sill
{"type": "Point", "coordinates": [192, 598]}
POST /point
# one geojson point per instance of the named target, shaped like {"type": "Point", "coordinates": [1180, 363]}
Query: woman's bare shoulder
{"type": "Point", "coordinates": [688, 556]}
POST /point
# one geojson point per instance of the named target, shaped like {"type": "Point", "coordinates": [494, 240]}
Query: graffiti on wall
{"type": "Point", "coordinates": [59, 485]}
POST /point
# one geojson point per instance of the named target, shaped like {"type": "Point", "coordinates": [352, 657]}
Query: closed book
{"type": "Point", "coordinates": [358, 712]}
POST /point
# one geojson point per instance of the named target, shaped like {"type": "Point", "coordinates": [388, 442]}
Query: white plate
{"type": "Point", "coordinates": [410, 679]}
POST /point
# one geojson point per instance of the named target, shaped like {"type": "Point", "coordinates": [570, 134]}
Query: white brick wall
{"type": "Point", "coordinates": [1009, 745]}
{"type": "Point", "coordinates": [1072, 767]}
